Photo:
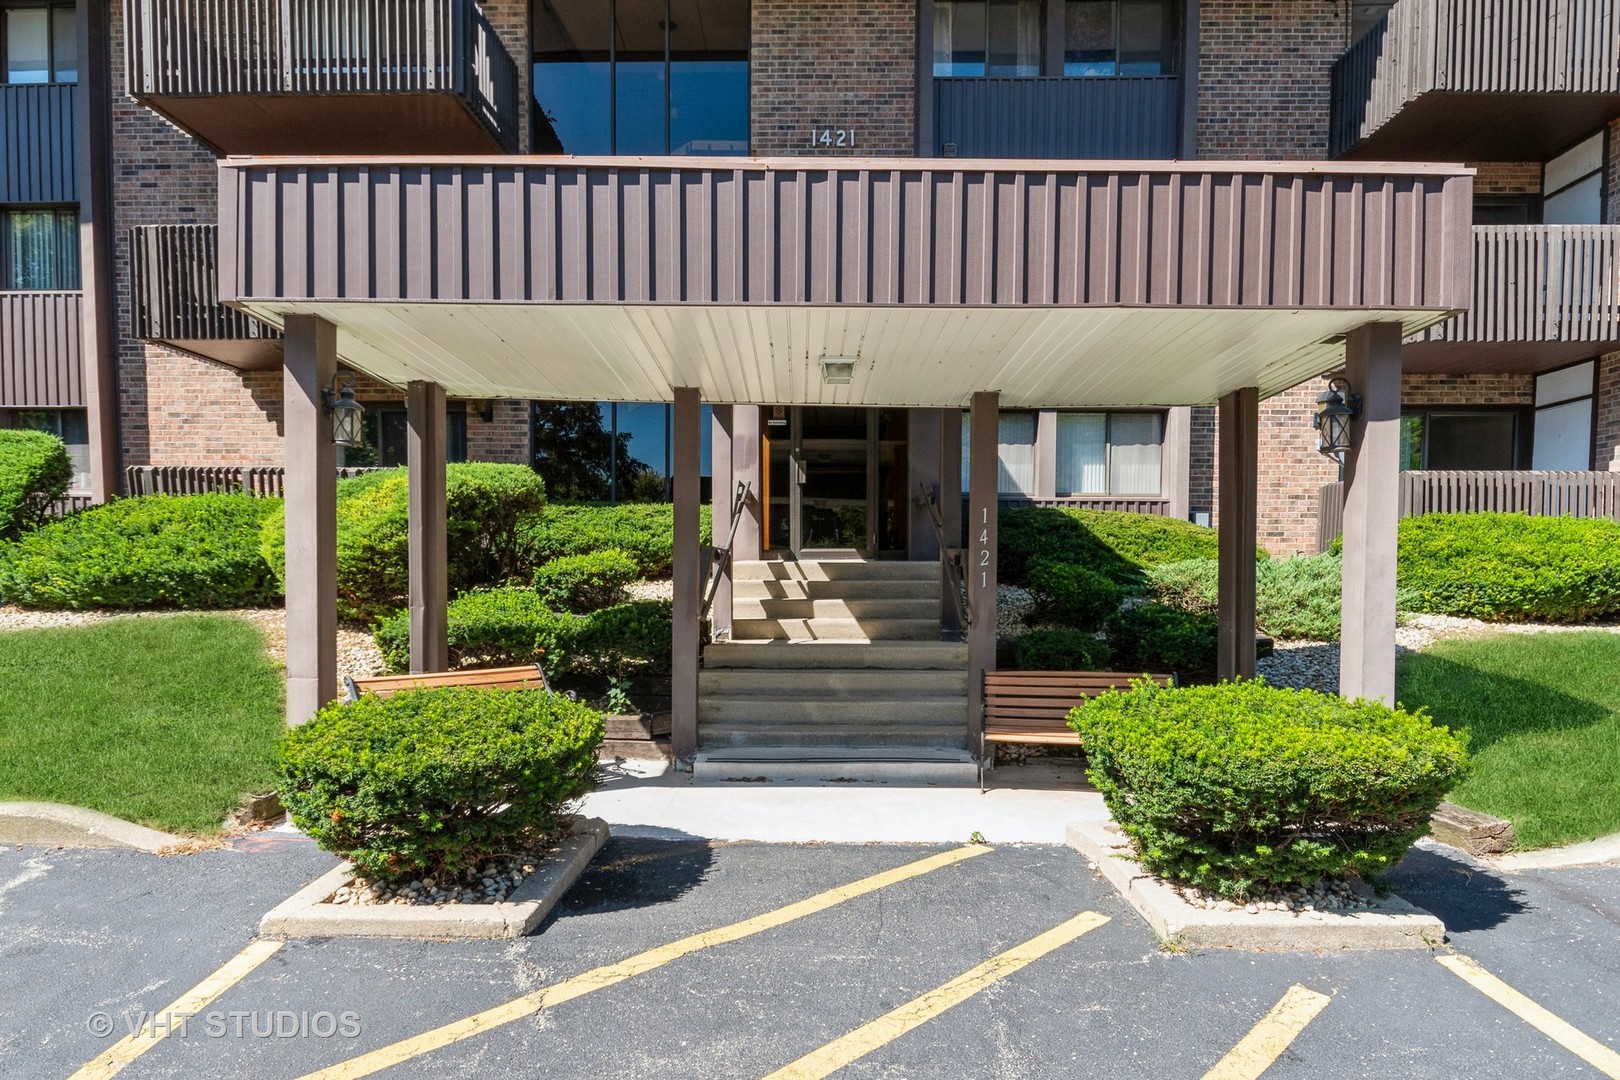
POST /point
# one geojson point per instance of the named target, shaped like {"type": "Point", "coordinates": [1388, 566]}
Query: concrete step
{"type": "Point", "coordinates": [817, 655]}
{"type": "Point", "coordinates": [844, 629]}
{"type": "Point", "coordinates": [836, 570]}
{"type": "Point", "coordinates": [847, 589]}
{"type": "Point", "coordinates": [714, 737]}
{"type": "Point", "coordinates": [861, 610]}
{"type": "Point", "coordinates": [861, 685]}
{"type": "Point", "coordinates": [870, 764]}
{"type": "Point", "coordinates": [768, 712]}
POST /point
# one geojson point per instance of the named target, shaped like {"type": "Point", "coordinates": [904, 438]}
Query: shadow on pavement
{"type": "Point", "coordinates": [1465, 895]}
{"type": "Point", "coordinates": [637, 872]}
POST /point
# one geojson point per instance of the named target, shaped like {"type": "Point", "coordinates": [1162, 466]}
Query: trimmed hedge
{"type": "Point", "coordinates": [1061, 650]}
{"type": "Point", "coordinates": [181, 551]}
{"type": "Point", "coordinates": [484, 503]}
{"type": "Point", "coordinates": [34, 472]}
{"type": "Point", "coordinates": [643, 531]}
{"type": "Point", "coordinates": [1155, 638]}
{"type": "Point", "coordinates": [1117, 545]}
{"type": "Point", "coordinates": [437, 781]}
{"type": "Point", "coordinates": [582, 583]}
{"type": "Point", "coordinates": [1071, 596]}
{"type": "Point", "coordinates": [623, 640]}
{"type": "Point", "coordinates": [1511, 566]}
{"type": "Point", "coordinates": [1296, 599]}
{"type": "Point", "coordinates": [1240, 788]}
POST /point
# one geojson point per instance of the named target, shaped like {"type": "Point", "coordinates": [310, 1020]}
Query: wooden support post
{"type": "Point", "coordinates": [983, 506]}
{"type": "Point", "coordinates": [950, 506]}
{"type": "Point", "coordinates": [689, 572]}
{"type": "Point", "coordinates": [1239, 451]}
{"type": "Point", "coordinates": [428, 570]}
{"type": "Point", "coordinates": [746, 462]}
{"type": "Point", "coordinates": [1372, 364]}
{"type": "Point", "coordinates": [98, 328]}
{"type": "Point", "coordinates": [310, 363]}
{"type": "Point", "coordinates": [722, 490]}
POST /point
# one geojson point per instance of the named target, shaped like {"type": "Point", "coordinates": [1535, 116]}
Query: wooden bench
{"type": "Point", "coordinates": [1032, 707]}
{"type": "Point", "coordinates": [523, 677]}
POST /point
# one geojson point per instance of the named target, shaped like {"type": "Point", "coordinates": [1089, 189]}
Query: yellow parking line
{"type": "Point", "coordinates": [918, 1011]}
{"type": "Point", "coordinates": [1571, 1038]}
{"type": "Point", "coordinates": [610, 974]}
{"type": "Point", "coordinates": [112, 1060]}
{"type": "Point", "coordinates": [1266, 1041]}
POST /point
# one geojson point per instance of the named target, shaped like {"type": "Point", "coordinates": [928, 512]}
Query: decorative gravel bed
{"type": "Point", "coordinates": [1337, 895]}
{"type": "Point", "coordinates": [489, 883]}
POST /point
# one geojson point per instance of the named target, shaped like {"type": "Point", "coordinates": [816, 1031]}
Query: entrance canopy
{"type": "Point", "coordinates": [1056, 284]}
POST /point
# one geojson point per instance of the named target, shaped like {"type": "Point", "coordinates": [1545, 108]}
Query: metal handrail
{"type": "Point", "coordinates": [721, 561]}
{"type": "Point", "coordinates": [949, 557]}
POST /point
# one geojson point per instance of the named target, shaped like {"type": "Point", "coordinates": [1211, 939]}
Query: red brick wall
{"type": "Point", "coordinates": [1606, 421]}
{"type": "Point", "coordinates": [510, 19]}
{"type": "Point", "coordinates": [1292, 471]}
{"type": "Point", "coordinates": [839, 64]}
{"type": "Point", "coordinates": [1264, 72]}
{"type": "Point", "coordinates": [1201, 462]}
{"type": "Point", "coordinates": [1507, 177]}
{"type": "Point", "coordinates": [1491, 389]}
{"type": "Point", "coordinates": [505, 437]}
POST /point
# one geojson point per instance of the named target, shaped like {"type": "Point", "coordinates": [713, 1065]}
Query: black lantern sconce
{"type": "Point", "coordinates": [1336, 408]}
{"type": "Point", "coordinates": [344, 411]}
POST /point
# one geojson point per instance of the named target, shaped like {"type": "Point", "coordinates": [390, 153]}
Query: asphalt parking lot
{"type": "Point", "coordinates": [885, 979]}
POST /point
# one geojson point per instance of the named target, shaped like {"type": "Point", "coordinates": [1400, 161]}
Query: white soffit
{"type": "Point", "coordinates": [908, 356]}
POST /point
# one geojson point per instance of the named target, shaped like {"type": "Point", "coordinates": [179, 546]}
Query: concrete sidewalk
{"type": "Point", "coordinates": [1027, 804]}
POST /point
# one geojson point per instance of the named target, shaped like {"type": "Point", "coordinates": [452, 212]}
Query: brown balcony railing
{"type": "Point", "coordinates": [211, 48]}
{"type": "Point", "coordinates": [1479, 47]}
{"type": "Point", "coordinates": [175, 287]}
{"type": "Point", "coordinates": [41, 355]}
{"type": "Point", "coordinates": [38, 143]}
{"type": "Point", "coordinates": [1130, 117]}
{"type": "Point", "coordinates": [265, 481]}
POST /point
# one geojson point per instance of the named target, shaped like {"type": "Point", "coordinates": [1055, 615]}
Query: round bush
{"type": "Point", "coordinates": [437, 781]}
{"type": "Point", "coordinates": [1511, 566]}
{"type": "Point", "coordinates": [582, 583]}
{"type": "Point", "coordinates": [1061, 650]}
{"type": "Point", "coordinates": [483, 504]}
{"type": "Point", "coordinates": [488, 628]}
{"type": "Point", "coordinates": [181, 551]}
{"type": "Point", "coordinates": [643, 531]}
{"type": "Point", "coordinates": [623, 640]}
{"type": "Point", "coordinates": [34, 473]}
{"type": "Point", "coordinates": [1071, 596]}
{"type": "Point", "coordinates": [1117, 545]}
{"type": "Point", "coordinates": [1155, 638]}
{"type": "Point", "coordinates": [1240, 788]}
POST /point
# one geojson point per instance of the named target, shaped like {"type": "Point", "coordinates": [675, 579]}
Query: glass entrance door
{"type": "Point", "coordinates": [835, 480]}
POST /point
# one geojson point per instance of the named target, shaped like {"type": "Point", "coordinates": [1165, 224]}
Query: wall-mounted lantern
{"type": "Point", "coordinates": [1336, 408]}
{"type": "Point", "coordinates": [344, 411]}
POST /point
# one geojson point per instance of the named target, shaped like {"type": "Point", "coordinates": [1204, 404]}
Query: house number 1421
{"type": "Point", "coordinates": [820, 136]}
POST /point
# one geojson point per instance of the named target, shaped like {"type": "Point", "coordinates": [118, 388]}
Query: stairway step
{"type": "Point", "coordinates": [767, 711]}
{"type": "Point", "coordinates": [862, 610]}
{"type": "Point", "coordinates": [849, 589]}
{"type": "Point", "coordinates": [843, 629]}
{"type": "Point", "coordinates": [716, 736]}
{"type": "Point", "coordinates": [896, 764]}
{"type": "Point", "coordinates": [816, 655]}
{"type": "Point", "coordinates": [855, 685]}
{"type": "Point", "coordinates": [836, 570]}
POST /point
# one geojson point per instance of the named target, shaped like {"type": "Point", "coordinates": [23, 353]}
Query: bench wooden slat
{"type": "Point", "coordinates": [1033, 706]}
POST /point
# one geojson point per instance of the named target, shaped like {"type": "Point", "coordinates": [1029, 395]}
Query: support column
{"type": "Point", "coordinates": [1177, 461]}
{"type": "Point", "coordinates": [922, 474]}
{"type": "Point", "coordinates": [429, 564]}
{"type": "Point", "coordinates": [97, 326]}
{"type": "Point", "coordinates": [1372, 364]}
{"type": "Point", "coordinates": [950, 502]}
{"type": "Point", "coordinates": [1239, 455]}
{"type": "Point", "coordinates": [722, 489]}
{"type": "Point", "coordinates": [745, 468]}
{"type": "Point", "coordinates": [983, 505]}
{"type": "Point", "coordinates": [688, 445]}
{"type": "Point", "coordinates": [310, 363]}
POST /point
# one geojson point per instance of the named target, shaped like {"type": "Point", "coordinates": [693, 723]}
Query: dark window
{"type": "Point", "coordinates": [665, 77]}
{"type": "Point", "coordinates": [385, 431]}
{"type": "Point", "coordinates": [988, 37]}
{"type": "Point", "coordinates": [1460, 439]}
{"type": "Point", "coordinates": [1507, 210]}
{"type": "Point", "coordinates": [39, 43]}
{"type": "Point", "coordinates": [612, 451]}
{"type": "Point", "coordinates": [39, 249]}
{"type": "Point", "coordinates": [1119, 37]}
{"type": "Point", "coordinates": [70, 426]}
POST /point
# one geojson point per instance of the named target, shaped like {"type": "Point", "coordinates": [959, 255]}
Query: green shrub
{"type": "Point", "coordinates": [1117, 545]}
{"type": "Point", "coordinates": [582, 583]}
{"type": "Point", "coordinates": [644, 531]}
{"type": "Point", "coordinates": [483, 503]}
{"type": "Point", "coordinates": [487, 628]}
{"type": "Point", "coordinates": [34, 473]}
{"type": "Point", "coordinates": [437, 781]}
{"type": "Point", "coordinates": [1511, 566]}
{"type": "Point", "coordinates": [1155, 638]}
{"type": "Point", "coordinates": [1295, 599]}
{"type": "Point", "coordinates": [1061, 650]}
{"type": "Point", "coordinates": [624, 640]}
{"type": "Point", "coordinates": [1071, 596]}
{"type": "Point", "coordinates": [1242, 787]}
{"type": "Point", "coordinates": [182, 551]}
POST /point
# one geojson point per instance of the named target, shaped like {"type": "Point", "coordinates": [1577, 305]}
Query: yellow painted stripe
{"type": "Point", "coordinates": [1266, 1041]}
{"type": "Point", "coordinates": [1565, 1034]}
{"type": "Point", "coordinates": [610, 974]}
{"type": "Point", "coordinates": [112, 1060]}
{"type": "Point", "coordinates": [918, 1011]}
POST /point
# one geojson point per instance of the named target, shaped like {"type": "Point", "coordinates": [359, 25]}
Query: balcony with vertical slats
{"type": "Point", "coordinates": [325, 76]}
{"type": "Point", "coordinates": [175, 283]}
{"type": "Point", "coordinates": [1477, 80]}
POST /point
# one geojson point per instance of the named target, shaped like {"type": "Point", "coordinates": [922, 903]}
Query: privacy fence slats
{"type": "Point", "coordinates": [1540, 494]}
{"type": "Point", "coordinates": [1486, 46]}
{"type": "Point", "coordinates": [41, 355]}
{"type": "Point", "coordinates": [38, 144]}
{"type": "Point", "coordinates": [1052, 117]}
{"type": "Point", "coordinates": [199, 48]}
{"type": "Point", "coordinates": [261, 480]}
{"type": "Point", "coordinates": [175, 287]}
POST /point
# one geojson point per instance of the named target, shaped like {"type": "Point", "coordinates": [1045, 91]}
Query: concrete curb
{"type": "Point", "coordinates": [1393, 924]}
{"type": "Point", "coordinates": [306, 913]}
{"type": "Point", "coordinates": [58, 825]}
{"type": "Point", "coordinates": [1605, 849]}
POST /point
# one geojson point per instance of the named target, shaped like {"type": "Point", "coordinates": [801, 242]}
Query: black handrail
{"type": "Point", "coordinates": [722, 556]}
{"type": "Point", "coordinates": [950, 558]}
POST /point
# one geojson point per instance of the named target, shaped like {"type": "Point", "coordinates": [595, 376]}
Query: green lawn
{"type": "Point", "coordinates": [164, 721]}
{"type": "Point", "coordinates": [1543, 716]}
